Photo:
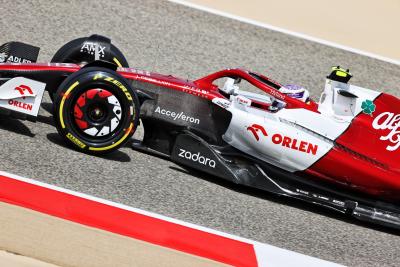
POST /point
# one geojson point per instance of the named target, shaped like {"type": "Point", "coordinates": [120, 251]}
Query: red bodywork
{"type": "Point", "coordinates": [361, 160]}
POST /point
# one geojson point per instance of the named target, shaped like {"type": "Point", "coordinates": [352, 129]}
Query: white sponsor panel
{"type": "Point", "coordinates": [22, 95]}
{"type": "Point", "coordinates": [326, 126]}
{"type": "Point", "coordinates": [267, 138]}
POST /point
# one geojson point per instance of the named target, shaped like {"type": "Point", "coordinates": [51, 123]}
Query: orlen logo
{"type": "Point", "coordinates": [19, 104]}
{"type": "Point", "coordinates": [255, 128]}
{"type": "Point", "coordinates": [389, 121]}
{"type": "Point", "coordinates": [295, 144]}
{"type": "Point", "coordinates": [284, 141]}
{"type": "Point", "coordinates": [22, 88]}
{"type": "Point", "coordinates": [196, 157]}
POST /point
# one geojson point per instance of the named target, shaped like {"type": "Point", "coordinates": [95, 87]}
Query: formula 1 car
{"type": "Point", "coordinates": [340, 153]}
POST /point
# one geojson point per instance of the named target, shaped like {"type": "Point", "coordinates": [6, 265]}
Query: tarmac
{"type": "Point", "coordinates": [364, 25]}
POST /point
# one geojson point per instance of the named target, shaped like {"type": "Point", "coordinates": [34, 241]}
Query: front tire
{"type": "Point", "coordinates": [96, 111]}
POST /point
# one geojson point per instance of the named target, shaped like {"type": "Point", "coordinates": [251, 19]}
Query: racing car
{"type": "Point", "coordinates": [340, 153]}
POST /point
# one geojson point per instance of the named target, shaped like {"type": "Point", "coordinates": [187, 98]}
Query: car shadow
{"type": "Point", "coordinates": [17, 126]}
{"type": "Point", "coordinates": [283, 200]}
{"type": "Point", "coordinates": [14, 126]}
{"type": "Point", "coordinates": [48, 107]}
{"type": "Point", "coordinates": [46, 120]}
{"type": "Point", "coordinates": [117, 155]}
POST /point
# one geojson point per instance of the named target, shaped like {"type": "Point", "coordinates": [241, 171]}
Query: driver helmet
{"type": "Point", "coordinates": [296, 91]}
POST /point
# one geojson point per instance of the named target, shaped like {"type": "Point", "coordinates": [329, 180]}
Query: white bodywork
{"type": "Point", "coordinates": [292, 139]}
{"type": "Point", "coordinates": [22, 95]}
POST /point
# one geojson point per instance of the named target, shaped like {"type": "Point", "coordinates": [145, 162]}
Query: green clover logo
{"type": "Point", "coordinates": [368, 107]}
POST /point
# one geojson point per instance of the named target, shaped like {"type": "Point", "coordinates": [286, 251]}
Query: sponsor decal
{"type": "Point", "coordinates": [276, 94]}
{"type": "Point", "coordinates": [285, 141]}
{"type": "Point", "coordinates": [295, 144]}
{"type": "Point", "coordinates": [223, 103]}
{"type": "Point", "coordinates": [320, 197]}
{"type": "Point", "coordinates": [19, 104]}
{"type": "Point", "coordinates": [90, 48]}
{"type": "Point", "coordinates": [114, 81]}
{"type": "Point", "coordinates": [75, 140]}
{"type": "Point", "coordinates": [180, 116]}
{"type": "Point", "coordinates": [22, 88]}
{"type": "Point", "coordinates": [255, 128]}
{"type": "Point", "coordinates": [302, 192]}
{"type": "Point", "coordinates": [184, 88]}
{"type": "Point", "coordinates": [196, 157]}
{"type": "Point", "coordinates": [15, 59]}
{"type": "Point", "coordinates": [136, 71]}
{"type": "Point", "coordinates": [195, 91]}
{"type": "Point", "coordinates": [243, 101]}
{"type": "Point", "coordinates": [368, 107]}
{"type": "Point", "coordinates": [389, 121]}
{"type": "Point", "coordinates": [3, 57]}
{"type": "Point", "coordinates": [338, 202]}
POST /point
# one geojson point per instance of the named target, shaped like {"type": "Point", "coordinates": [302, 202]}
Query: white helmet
{"type": "Point", "coordinates": [296, 91]}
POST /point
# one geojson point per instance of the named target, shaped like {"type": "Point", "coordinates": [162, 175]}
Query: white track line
{"type": "Point", "coordinates": [278, 29]}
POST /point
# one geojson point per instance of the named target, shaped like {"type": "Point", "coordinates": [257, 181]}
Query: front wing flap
{"type": "Point", "coordinates": [22, 95]}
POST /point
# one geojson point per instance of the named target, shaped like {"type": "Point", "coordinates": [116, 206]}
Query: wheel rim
{"type": "Point", "coordinates": [97, 113]}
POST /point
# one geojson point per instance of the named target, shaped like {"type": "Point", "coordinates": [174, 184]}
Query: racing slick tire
{"type": "Point", "coordinates": [72, 52]}
{"type": "Point", "coordinates": [95, 110]}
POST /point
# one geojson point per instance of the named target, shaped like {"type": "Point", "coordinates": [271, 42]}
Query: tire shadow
{"type": "Point", "coordinates": [117, 155]}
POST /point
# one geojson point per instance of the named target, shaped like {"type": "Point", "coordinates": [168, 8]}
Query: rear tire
{"type": "Point", "coordinates": [72, 52]}
{"type": "Point", "coordinates": [95, 110]}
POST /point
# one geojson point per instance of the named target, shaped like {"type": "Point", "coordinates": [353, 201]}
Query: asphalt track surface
{"type": "Point", "coordinates": [168, 38]}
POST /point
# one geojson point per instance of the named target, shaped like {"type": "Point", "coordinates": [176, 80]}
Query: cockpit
{"type": "Point", "coordinates": [235, 89]}
{"type": "Point", "coordinates": [257, 91]}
